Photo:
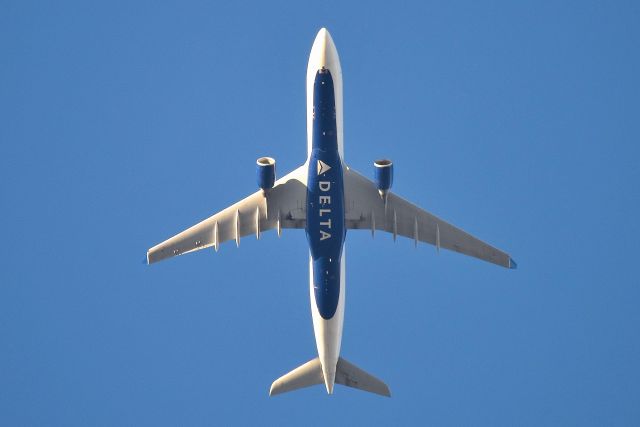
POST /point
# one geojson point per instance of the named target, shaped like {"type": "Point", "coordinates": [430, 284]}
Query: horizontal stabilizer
{"type": "Point", "coordinates": [350, 375]}
{"type": "Point", "coordinates": [311, 374]}
{"type": "Point", "coordinates": [303, 376]}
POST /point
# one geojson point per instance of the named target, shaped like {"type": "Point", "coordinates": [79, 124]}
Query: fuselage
{"type": "Point", "coordinates": [325, 201]}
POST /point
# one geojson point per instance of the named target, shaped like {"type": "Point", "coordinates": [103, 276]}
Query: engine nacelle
{"type": "Point", "coordinates": [266, 172]}
{"type": "Point", "coordinates": [383, 176]}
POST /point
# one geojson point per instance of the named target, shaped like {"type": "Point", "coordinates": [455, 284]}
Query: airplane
{"type": "Point", "coordinates": [325, 197]}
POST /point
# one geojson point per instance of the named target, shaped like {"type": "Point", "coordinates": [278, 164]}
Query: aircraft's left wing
{"type": "Point", "coordinates": [365, 209]}
{"type": "Point", "coordinates": [283, 206]}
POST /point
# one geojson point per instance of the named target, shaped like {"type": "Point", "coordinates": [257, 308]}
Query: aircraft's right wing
{"type": "Point", "coordinates": [283, 206]}
{"type": "Point", "coordinates": [365, 209]}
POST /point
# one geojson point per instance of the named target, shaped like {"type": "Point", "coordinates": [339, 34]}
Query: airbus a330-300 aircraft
{"type": "Point", "coordinates": [326, 198]}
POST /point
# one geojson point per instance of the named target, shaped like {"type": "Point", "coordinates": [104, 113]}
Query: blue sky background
{"type": "Point", "coordinates": [125, 122]}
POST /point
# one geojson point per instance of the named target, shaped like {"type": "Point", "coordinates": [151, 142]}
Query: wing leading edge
{"type": "Point", "coordinates": [365, 209]}
{"type": "Point", "coordinates": [283, 206]}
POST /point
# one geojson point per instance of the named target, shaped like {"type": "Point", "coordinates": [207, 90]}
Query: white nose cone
{"type": "Point", "coordinates": [324, 54]}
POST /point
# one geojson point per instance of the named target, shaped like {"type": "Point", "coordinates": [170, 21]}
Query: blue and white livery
{"type": "Point", "coordinates": [326, 198]}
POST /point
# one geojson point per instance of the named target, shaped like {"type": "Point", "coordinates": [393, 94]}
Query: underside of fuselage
{"type": "Point", "coordinates": [325, 224]}
{"type": "Point", "coordinates": [325, 198]}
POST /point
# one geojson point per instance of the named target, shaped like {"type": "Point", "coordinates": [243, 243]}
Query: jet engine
{"type": "Point", "coordinates": [383, 176]}
{"type": "Point", "coordinates": [266, 172]}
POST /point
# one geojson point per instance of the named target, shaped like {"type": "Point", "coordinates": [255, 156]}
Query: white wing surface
{"type": "Point", "coordinates": [365, 209]}
{"type": "Point", "coordinates": [283, 206]}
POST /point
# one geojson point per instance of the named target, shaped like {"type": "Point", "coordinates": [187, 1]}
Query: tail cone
{"type": "Point", "coordinates": [329, 381]}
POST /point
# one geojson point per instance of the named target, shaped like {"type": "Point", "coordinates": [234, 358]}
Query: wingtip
{"type": "Point", "coordinates": [273, 390]}
{"type": "Point", "coordinates": [145, 260]}
{"type": "Point", "coordinates": [512, 264]}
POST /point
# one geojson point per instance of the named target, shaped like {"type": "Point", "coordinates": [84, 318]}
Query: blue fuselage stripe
{"type": "Point", "coordinates": [325, 198]}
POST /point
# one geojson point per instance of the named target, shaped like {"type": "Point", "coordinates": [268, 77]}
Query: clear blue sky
{"type": "Point", "coordinates": [125, 122]}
